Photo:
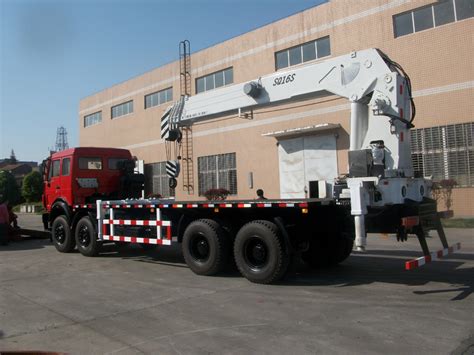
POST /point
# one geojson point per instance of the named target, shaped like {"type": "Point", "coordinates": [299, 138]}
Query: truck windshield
{"type": "Point", "coordinates": [90, 163]}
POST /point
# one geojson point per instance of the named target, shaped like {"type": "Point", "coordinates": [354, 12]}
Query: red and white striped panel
{"type": "Point", "coordinates": [412, 264]}
{"type": "Point", "coordinates": [132, 222]}
{"type": "Point", "coordinates": [110, 222]}
{"type": "Point", "coordinates": [83, 206]}
{"type": "Point", "coordinates": [214, 205]}
{"type": "Point", "coordinates": [116, 238]}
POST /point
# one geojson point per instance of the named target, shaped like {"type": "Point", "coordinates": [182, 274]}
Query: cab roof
{"type": "Point", "coordinates": [101, 151]}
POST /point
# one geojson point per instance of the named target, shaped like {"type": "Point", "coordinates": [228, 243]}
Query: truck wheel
{"type": "Point", "coordinates": [86, 237]}
{"type": "Point", "coordinates": [62, 236]}
{"type": "Point", "coordinates": [205, 247]}
{"type": "Point", "coordinates": [344, 249]}
{"type": "Point", "coordinates": [259, 252]}
{"type": "Point", "coordinates": [329, 251]}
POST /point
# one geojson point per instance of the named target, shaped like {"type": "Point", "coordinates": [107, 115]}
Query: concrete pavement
{"type": "Point", "coordinates": [131, 302]}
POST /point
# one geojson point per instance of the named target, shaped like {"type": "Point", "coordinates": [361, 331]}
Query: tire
{"type": "Point", "coordinates": [259, 252]}
{"type": "Point", "coordinates": [86, 237]}
{"type": "Point", "coordinates": [344, 250]}
{"type": "Point", "coordinates": [328, 251]}
{"type": "Point", "coordinates": [61, 235]}
{"type": "Point", "coordinates": [205, 247]}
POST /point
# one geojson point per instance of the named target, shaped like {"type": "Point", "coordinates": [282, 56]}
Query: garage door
{"type": "Point", "coordinates": [303, 162]}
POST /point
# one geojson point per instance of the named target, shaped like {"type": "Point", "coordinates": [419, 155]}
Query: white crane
{"type": "Point", "coordinates": [382, 111]}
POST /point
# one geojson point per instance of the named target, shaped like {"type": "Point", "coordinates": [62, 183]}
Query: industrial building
{"type": "Point", "coordinates": [289, 149]}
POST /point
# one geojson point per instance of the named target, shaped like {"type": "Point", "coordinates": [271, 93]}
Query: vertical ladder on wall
{"type": "Point", "coordinates": [185, 67]}
{"type": "Point", "coordinates": [187, 158]}
{"type": "Point", "coordinates": [187, 142]}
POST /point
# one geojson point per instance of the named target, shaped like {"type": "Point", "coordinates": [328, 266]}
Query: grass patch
{"type": "Point", "coordinates": [458, 223]}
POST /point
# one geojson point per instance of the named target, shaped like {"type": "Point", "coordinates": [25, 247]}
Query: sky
{"type": "Point", "coordinates": [53, 53]}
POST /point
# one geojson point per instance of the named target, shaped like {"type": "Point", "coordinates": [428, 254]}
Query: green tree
{"type": "Point", "coordinates": [32, 187]}
{"type": "Point", "coordinates": [9, 188]}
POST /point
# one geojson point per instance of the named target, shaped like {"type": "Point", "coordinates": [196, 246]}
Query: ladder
{"type": "Point", "coordinates": [187, 140]}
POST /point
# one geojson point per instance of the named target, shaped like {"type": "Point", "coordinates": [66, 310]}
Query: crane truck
{"type": "Point", "coordinates": [92, 195]}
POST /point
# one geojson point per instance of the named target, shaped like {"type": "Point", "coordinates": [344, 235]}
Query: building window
{"type": "Point", "coordinates": [216, 172]}
{"type": "Point", "coordinates": [215, 80]}
{"type": "Point", "coordinates": [157, 181]}
{"type": "Point", "coordinates": [445, 152]}
{"type": "Point", "coordinates": [93, 119]}
{"type": "Point", "coordinates": [303, 53]}
{"type": "Point", "coordinates": [437, 14]}
{"type": "Point", "coordinates": [158, 98]}
{"type": "Point", "coordinates": [122, 109]}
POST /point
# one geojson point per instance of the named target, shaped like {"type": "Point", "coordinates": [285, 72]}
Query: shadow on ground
{"type": "Point", "coordinates": [382, 266]}
{"type": "Point", "coordinates": [363, 269]}
{"type": "Point", "coordinates": [29, 243]}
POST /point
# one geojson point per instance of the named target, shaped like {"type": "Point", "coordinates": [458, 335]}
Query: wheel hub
{"type": "Point", "coordinates": [84, 238]}
{"type": "Point", "coordinates": [200, 249]}
{"type": "Point", "coordinates": [60, 234]}
{"type": "Point", "coordinates": [256, 253]}
{"type": "Point", "coordinates": [259, 253]}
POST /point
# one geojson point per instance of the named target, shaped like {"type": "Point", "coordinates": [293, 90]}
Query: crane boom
{"type": "Point", "coordinates": [352, 76]}
{"type": "Point", "coordinates": [382, 111]}
{"type": "Point", "coordinates": [366, 78]}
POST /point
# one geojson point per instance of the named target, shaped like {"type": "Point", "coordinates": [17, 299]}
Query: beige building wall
{"type": "Point", "coordinates": [438, 60]}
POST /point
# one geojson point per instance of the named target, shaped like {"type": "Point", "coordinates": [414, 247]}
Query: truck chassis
{"type": "Point", "coordinates": [261, 236]}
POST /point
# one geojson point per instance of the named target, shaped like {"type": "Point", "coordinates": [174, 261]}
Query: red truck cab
{"type": "Point", "coordinates": [80, 175]}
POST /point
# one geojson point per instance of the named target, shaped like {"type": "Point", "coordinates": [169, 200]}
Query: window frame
{"type": "Point", "coordinates": [69, 166]}
{"type": "Point", "coordinates": [80, 159]}
{"type": "Point", "coordinates": [445, 152]}
{"type": "Point", "coordinates": [164, 190]}
{"type": "Point", "coordinates": [215, 173]}
{"type": "Point", "coordinates": [435, 25]}
{"type": "Point", "coordinates": [52, 172]}
{"type": "Point", "coordinates": [114, 166]}
{"type": "Point", "coordinates": [98, 114]}
{"type": "Point", "coordinates": [301, 53]}
{"type": "Point", "coordinates": [128, 103]}
{"type": "Point", "coordinates": [168, 93]}
{"type": "Point", "coordinates": [204, 79]}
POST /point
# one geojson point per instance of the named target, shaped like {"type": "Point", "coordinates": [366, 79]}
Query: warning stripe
{"type": "Point", "coordinates": [115, 238]}
{"type": "Point", "coordinates": [165, 123]}
{"type": "Point", "coordinates": [213, 205]}
{"type": "Point", "coordinates": [84, 206]}
{"type": "Point", "coordinates": [172, 168]}
{"type": "Point", "coordinates": [128, 222]}
{"type": "Point", "coordinates": [412, 264]}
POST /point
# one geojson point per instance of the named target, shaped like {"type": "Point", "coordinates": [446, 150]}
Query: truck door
{"type": "Point", "coordinates": [53, 187]}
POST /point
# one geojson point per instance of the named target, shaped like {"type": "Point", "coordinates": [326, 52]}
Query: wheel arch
{"type": "Point", "coordinates": [60, 208]}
